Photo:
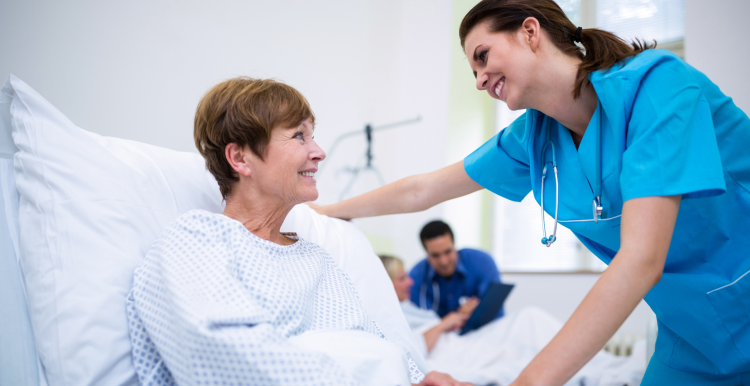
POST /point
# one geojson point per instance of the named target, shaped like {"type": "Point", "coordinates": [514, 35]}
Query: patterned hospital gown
{"type": "Point", "coordinates": [213, 304]}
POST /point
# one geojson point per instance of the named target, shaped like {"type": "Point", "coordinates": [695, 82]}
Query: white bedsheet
{"type": "Point", "coordinates": [499, 351]}
{"type": "Point", "coordinates": [370, 360]}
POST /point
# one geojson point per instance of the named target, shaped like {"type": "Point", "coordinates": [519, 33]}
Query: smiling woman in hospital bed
{"type": "Point", "coordinates": [218, 296]}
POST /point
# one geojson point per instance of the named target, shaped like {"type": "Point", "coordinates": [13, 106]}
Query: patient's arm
{"type": "Point", "coordinates": [469, 307]}
{"type": "Point", "coordinates": [407, 195]}
{"type": "Point", "coordinates": [452, 321]}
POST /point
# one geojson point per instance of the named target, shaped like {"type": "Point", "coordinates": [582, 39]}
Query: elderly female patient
{"type": "Point", "coordinates": [218, 296]}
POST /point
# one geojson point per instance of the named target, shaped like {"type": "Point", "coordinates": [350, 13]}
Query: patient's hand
{"type": "Point", "coordinates": [434, 378]}
{"type": "Point", "coordinates": [469, 306]}
{"type": "Point", "coordinates": [453, 321]}
{"type": "Point", "coordinates": [317, 207]}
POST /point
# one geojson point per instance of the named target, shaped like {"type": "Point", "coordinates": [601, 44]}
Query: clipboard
{"type": "Point", "coordinates": [488, 307]}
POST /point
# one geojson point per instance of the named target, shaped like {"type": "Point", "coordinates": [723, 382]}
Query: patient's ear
{"type": "Point", "coordinates": [239, 159]}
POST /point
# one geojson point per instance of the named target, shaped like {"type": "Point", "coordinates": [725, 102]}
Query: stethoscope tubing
{"type": "Point", "coordinates": [597, 202]}
{"type": "Point", "coordinates": [435, 296]}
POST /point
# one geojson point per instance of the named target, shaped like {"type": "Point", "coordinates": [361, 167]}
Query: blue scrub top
{"type": "Point", "coordinates": [475, 271]}
{"type": "Point", "coordinates": [666, 130]}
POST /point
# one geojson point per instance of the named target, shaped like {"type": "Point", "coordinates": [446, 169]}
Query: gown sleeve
{"type": "Point", "coordinates": [208, 328]}
{"type": "Point", "coordinates": [501, 165]}
{"type": "Point", "coordinates": [671, 140]}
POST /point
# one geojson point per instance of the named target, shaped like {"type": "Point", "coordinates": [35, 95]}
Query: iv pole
{"type": "Point", "coordinates": [369, 129]}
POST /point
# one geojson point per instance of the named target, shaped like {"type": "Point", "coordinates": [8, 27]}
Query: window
{"type": "Point", "coordinates": [660, 20]}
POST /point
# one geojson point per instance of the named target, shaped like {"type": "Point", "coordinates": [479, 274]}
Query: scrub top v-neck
{"type": "Point", "coordinates": [666, 130]}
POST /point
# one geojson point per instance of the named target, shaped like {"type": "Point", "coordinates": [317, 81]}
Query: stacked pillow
{"type": "Point", "coordinates": [89, 208]}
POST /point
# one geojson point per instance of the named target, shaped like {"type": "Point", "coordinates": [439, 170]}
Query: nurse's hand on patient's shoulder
{"type": "Point", "coordinates": [434, 378]}
{"type": "Point", "coordinates": [469, 306]}
{"type": "Point", "coordinates": [324, 210]}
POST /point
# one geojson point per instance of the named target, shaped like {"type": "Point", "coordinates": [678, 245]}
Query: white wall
{"type": "Point", "coordinates": [560, 295]}
{"type": "Point", "coordinates": [716, 43]}
{"type": "Point", "coordinates": [137, 70]}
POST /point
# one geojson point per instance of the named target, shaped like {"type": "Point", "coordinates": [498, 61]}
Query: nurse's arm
{"type": "Point", "coordinates": [646, 231]}
{"type": "Point", "coordinates": [411, 194]}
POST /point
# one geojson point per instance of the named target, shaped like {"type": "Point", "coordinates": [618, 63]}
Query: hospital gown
{"type": "Point", "coordinates": [214, 304]}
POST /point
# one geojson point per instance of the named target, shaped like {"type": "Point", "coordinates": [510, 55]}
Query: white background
{"type": "Point", "coordinates": [137, 69]}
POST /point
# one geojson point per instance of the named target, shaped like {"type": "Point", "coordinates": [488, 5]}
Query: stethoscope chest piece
{"type": "Point", "coordinates": [596, 204]}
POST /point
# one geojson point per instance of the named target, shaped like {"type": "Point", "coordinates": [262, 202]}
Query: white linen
{"type": "Point", "coordinates": [354, 255]}
{"type": "Point", "coordinates": [500, 350]}
{"type": "Point", "coordinates": [89, 209]}
{"type": "Point", "coordinates": [419, 319]}
{"type": "Point", "coordinates": [212, 296]}
{"type": "Point", "coordinates": [370, 360]}
{"type": "Point", "coordinates": [18, 360]}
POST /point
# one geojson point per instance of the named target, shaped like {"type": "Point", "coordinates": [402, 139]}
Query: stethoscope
{"type": "Point", "coordinates": [435, 295]}
{"type": "Point", "coordinates": [596, 204]}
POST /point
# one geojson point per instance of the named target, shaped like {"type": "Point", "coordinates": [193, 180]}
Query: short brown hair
{"type": "Point", "coordinates": [244, 111]}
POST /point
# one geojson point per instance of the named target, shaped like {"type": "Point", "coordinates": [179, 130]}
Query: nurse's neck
{"type": "Point", "coordinates": [557, 101]}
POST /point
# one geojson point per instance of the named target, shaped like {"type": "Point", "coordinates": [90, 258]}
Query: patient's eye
{"type": "Point", "coordinates": [299, 135]}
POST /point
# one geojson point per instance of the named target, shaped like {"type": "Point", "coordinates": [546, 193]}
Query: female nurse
{"type": "Point", "coordinates": [636, 152]}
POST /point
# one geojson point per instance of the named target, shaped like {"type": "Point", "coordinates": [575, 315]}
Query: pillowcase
{"type": "Point", "coordinates": [354, 255]}
{"type": "Point", "coordinates": [91, 206]}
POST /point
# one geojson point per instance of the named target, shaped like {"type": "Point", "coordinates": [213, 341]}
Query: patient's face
{"type": "Point", "coordinates": [291, 161]}
{"type": "Point", "coordinates": [441, 254]}
{"type": "Point", "coordinates": [402, 284]}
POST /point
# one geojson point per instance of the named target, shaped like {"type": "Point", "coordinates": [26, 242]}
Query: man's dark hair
{"type": "Point", "coordinates": [435, 229]}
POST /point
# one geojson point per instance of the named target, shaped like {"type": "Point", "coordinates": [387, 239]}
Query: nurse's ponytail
{"type": "Point", "coordinates": [602, 49]}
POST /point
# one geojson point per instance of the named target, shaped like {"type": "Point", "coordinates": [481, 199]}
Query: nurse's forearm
{"type": "Point", "coordinates": [647, 226]}
{"type": "Point", "coordinates": [410, 194]}
{"type": "Point", "coordinates": [601, 313]}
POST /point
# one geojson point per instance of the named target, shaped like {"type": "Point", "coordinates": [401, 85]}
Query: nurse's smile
{"type": "Point", "coordinates": [498, 89]}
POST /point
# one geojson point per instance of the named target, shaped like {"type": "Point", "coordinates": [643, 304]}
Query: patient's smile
{"type": "Point", "coordinates": [308, 174]}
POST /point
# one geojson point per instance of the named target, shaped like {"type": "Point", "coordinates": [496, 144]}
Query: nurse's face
{"type": "Point", "coordinates": [503, 64]}
{"type": "Point", "coordinates": [441, 254]}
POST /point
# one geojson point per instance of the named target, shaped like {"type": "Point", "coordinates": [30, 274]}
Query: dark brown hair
{"type": "Point", "coordinates": [244, 111]}
{"type": "Point", "coordinates": [602, 49]}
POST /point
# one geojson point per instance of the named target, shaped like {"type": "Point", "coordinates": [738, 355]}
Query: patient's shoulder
{"type": "Point", "coordinates": [192, 234]}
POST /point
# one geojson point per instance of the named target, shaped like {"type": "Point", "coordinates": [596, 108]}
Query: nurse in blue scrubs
{"type": "Point", "coordinates": [636, 152]}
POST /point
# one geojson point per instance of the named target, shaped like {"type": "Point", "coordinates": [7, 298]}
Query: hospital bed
{"type": "Point", "coordinates": [79, 211]}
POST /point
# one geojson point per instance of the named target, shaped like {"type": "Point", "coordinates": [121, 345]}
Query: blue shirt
{"type": "Point", "coordinates": [666, 129]}
{"type": "Point", "coordinates": [475, 271]}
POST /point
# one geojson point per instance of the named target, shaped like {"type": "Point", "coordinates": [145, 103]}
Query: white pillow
{"type": "Point", "coordinates": [90, 207]}
{"type": "Point", "coordinates": [353, 253]}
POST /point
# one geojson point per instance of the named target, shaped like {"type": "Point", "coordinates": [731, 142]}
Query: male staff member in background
{"type": "Point", "coordinates": [449, 280]}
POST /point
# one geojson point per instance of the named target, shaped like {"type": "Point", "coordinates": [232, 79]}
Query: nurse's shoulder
{"type": "Point", "coordinates": [639, 66]}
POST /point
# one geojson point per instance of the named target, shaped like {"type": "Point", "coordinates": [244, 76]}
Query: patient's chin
{"type": "Point", "coordinates": [308, 195]}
